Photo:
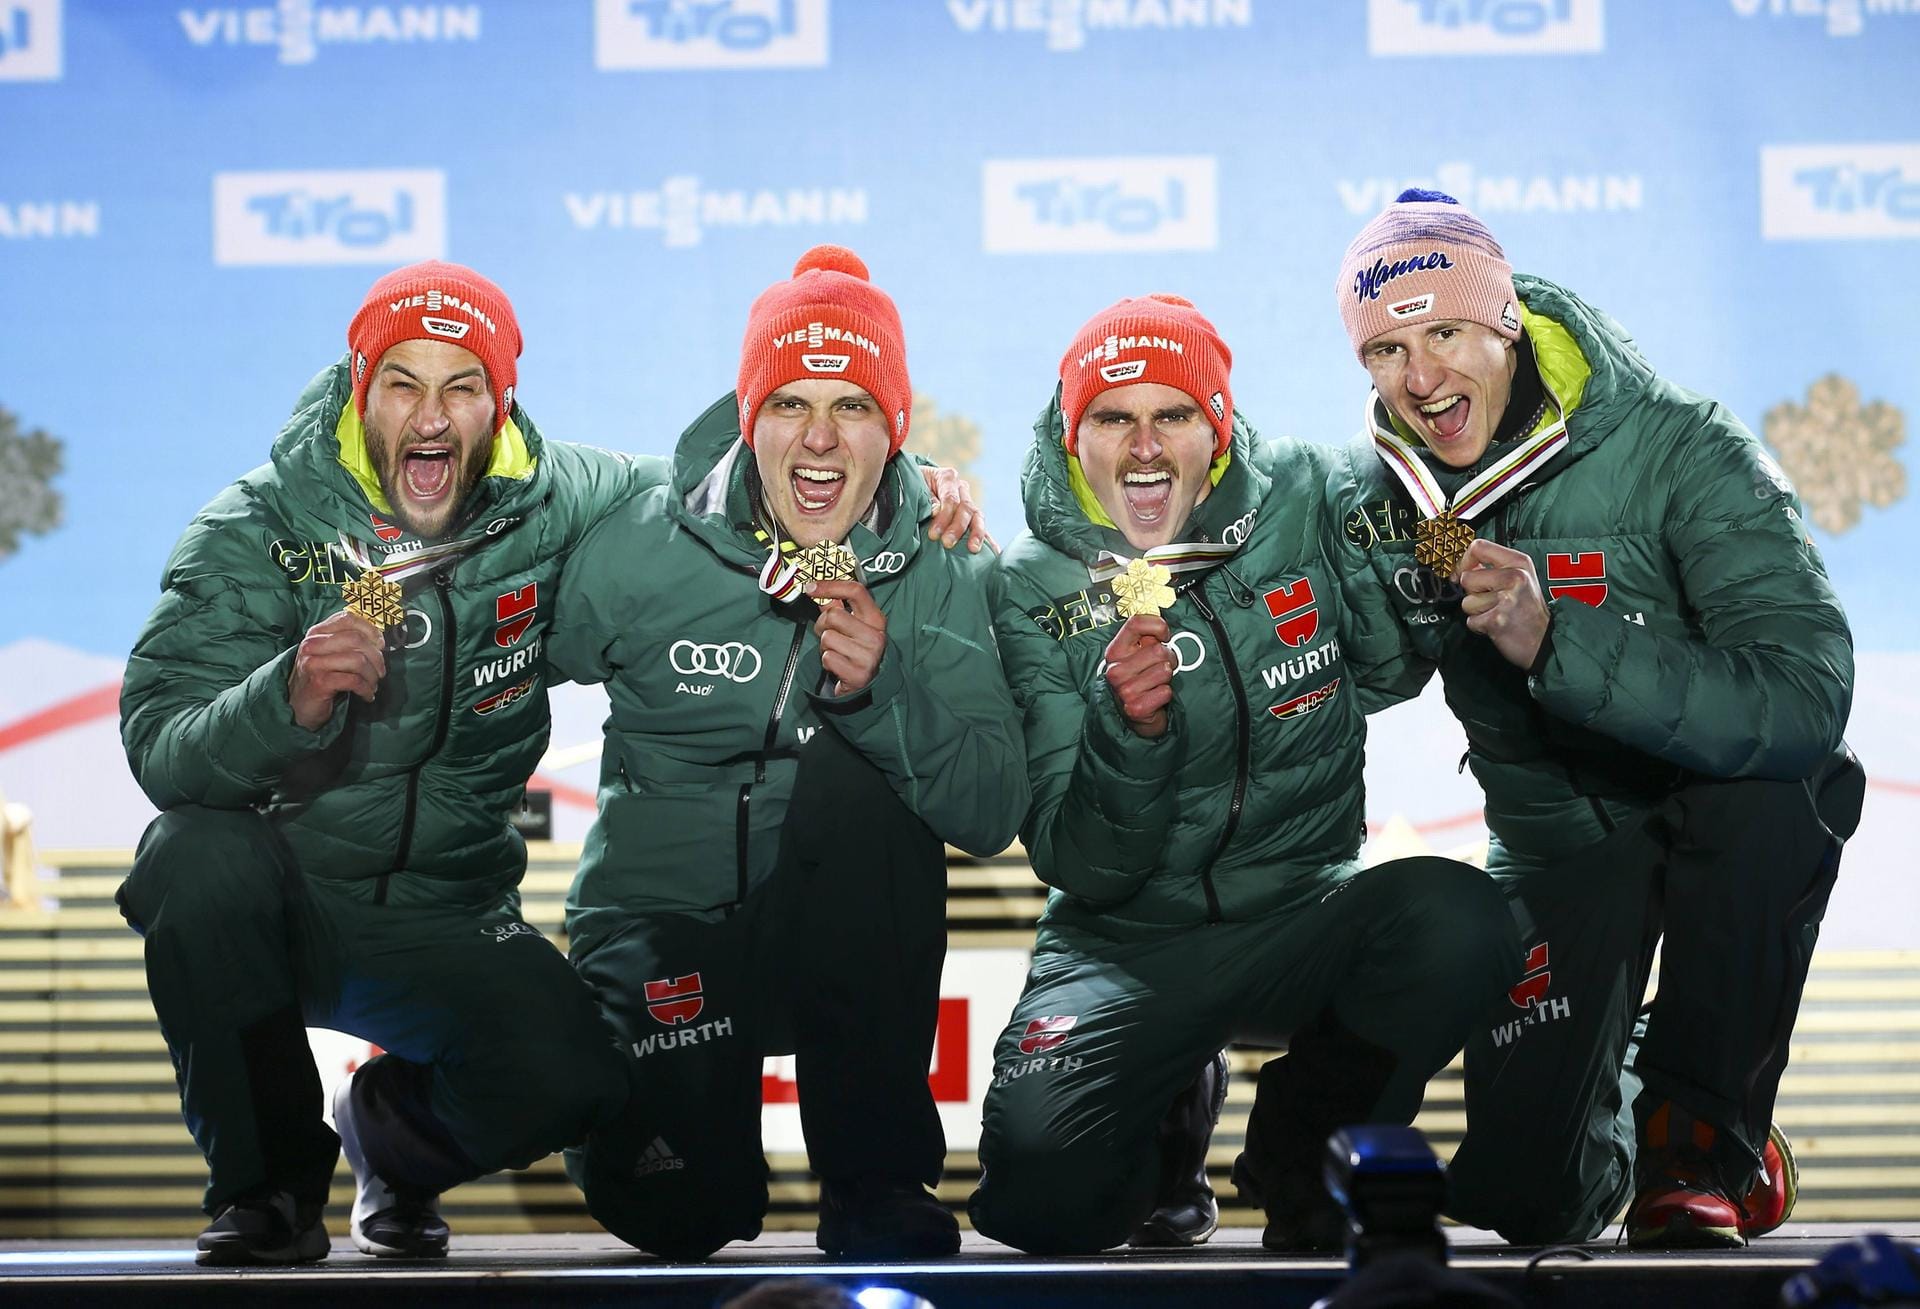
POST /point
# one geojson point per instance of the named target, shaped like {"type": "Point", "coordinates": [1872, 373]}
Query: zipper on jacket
{"type": "Point", "coordinates": [442, 584]}
{"type": "Point", "coordinates": [1243, 758]}
{"type": "Point", "coordinates": [741, 830]}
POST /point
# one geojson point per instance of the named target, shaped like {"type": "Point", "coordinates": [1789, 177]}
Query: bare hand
{"type": "Point", "coordinates": [1503, 601]}
{"type": "Point", "coordinates": [1139, 671]}
{"type": "Point", "coordinates": [852, 632]}
{"type": "Point", "coordinates": [954, 512]}
{"type": "Point", "coordinates": [341, 654]}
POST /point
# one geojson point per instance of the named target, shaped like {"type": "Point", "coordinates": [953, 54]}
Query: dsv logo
{"type": "Point", "coordinates": [1420, 585]}
{"type": "Point", "coordinates": [734, 660]}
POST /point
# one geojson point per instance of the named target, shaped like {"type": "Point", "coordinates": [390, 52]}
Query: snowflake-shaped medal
{"type": "Point", "coordinates": [1441, 542]}
{"type": "Point", "coordinates": [1142, 589]}
{"type": "Point", "coordinates": [825, 561]}
{"type": "Point", "coordinates": [375, 599]}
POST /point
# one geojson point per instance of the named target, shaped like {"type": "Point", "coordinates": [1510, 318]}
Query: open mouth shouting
{"type": "Point", "coordinates": [1148, 492]}
{"type": "Point", "coordinates": [426, 472]}
{"type": "Point", "coordinates": [1446, 418]}
{"type": "Point", "coordinates": [817, 490]}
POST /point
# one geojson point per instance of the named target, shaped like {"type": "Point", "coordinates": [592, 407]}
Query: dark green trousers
{"type": "Point", "coordinates": [496, 1054]}
{"type": "Point", "coordinates": [835, 957]}
{"type": "Point", "coordinates": [1735, 875]}
{"type": "Point", "coordinates": [1377, 983]}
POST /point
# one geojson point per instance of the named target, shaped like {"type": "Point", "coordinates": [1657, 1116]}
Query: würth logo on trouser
{"type": "Point", "coordinates": [1046, 1033]}
{"type": "Point", "coordinates": [674, 1000]}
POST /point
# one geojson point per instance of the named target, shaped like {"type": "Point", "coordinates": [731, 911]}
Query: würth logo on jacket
{"type": "Point", "coordinates": [1046, 1033]}
{"type": "Point", "coordinates": [514, 614]}
{"type": "Point", "coordinates": [675, 1000]}
{"type": "Point", "coordinates": [384, 530]}
{"type": "Point", "coordinates": [1298, 614]}
{"type": "Point", "coordinates": [1581, 577]}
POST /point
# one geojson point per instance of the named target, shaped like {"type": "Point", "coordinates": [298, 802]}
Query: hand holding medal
{"type": "Point", "coordinates": [1503, 601]}
{"type": "Point", "coordinates": [342, 654]}
{"type": "Point", "coordinates": [1138, 667]}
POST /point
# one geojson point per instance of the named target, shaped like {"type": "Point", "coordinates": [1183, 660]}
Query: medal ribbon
{"type": "Point", "coordinates": [1175, 557]}
{"type": "Point", "coordinates": [410, 563]}
{"type": "Point", "coordinates": [1487, 488]}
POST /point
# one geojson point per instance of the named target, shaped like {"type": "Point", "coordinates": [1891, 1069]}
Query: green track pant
{"type": "Point", "coordinates": [1736, 875]}
{"type": "Point", "coordinates": [1377, 983]}
{"type": "Point", "coordinates": [496, 1057]}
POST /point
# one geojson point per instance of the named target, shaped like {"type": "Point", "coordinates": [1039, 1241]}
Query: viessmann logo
{"type": "Point", "coordinates": [1839, 192]}
{"type": "Point", "coordinates": [1105, 205]}
{"type": "Point", "coordinates": [30, 42]}
{"type": "Point", "coordinates": [709, 34]}
{"type": "Point", "coordinates": [1485, 27]}
{"type": "Point", "coordinates": [376, 216]}
{"type": "Point", "coordinates": [1065, 23]}
{"type": "Point", "coordinates": [298, 28]}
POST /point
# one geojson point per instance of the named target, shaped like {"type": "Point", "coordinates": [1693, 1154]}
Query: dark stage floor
{"type": "Point", "coordinates": [595, 1269]}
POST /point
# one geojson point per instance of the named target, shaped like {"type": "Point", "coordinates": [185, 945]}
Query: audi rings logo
{"type": "Point", "coordinates": [1235, 533]}
{"type": "Point", "coordinates": [1183, 661]}
{"type": "Point", "coordinates": [887, 561]}
{"type": "Point", "coordinates": [734, 660]}
{"type": "Point", "coordinates": [1422, 586]}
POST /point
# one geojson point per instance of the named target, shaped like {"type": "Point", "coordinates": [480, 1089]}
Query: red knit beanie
{"type": "Point", "coordinates": [435, 301]}
{"type": "Point", "coordinates": [829, 321]}
{"type": "Point", "coordinates": [1154, 338]}
{"type": "Point", "coordinates": [1424, 258]}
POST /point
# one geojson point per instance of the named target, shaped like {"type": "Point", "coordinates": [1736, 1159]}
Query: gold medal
{"type": "Point", "coordinates": [825, 561]}
{"type": "Point", "coordinates": [1142, 589]}
{"type": "Point", "coordinates": [1440, 542]}
{"type": "Point", "coordinates": [375, 599]}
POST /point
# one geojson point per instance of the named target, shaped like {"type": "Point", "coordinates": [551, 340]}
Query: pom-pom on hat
{"type": "Point", "coordinates": [828, 321]}
{"type": "Point", "coordinates": [435, 301]}
{"type": "Point", "coordinates": [1151, 338]}
{"type": "Point", "coordinates": [1425, 258]}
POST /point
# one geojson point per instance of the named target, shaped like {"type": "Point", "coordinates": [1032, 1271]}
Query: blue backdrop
{"type": "Point", "coordinates": [194, 198]}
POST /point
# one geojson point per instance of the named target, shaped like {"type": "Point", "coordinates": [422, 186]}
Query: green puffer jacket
{"type": "Point", "coordinates": [404, 800]}
{"type": "Point", "coordinates": [1252, 799]}
{"type": "Point", "coordinates": [1694, 629]}
{"type": "Point", "coordinates": [714, 687]}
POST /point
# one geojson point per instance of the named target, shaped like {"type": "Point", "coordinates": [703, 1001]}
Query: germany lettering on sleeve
{"type": "Point", "coordinates": [1077, 612]}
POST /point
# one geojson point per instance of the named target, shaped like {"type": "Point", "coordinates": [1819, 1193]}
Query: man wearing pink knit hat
{"type": "Point", "coordinates": [806, 703]}
{"type": "Point", "coordinates": [1192, 674]}
{"type": "Point", "coordinates": [1617, 586]}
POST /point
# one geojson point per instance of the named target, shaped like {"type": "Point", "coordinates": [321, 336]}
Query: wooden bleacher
{"type": "Point", "coordinates": [92, 1145]}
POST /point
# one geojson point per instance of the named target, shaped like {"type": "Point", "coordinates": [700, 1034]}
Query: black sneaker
{"type": "Point", "coordinates": [881, 1218]}
{"type": "Point", "coordinates": [1301, 1217]}
{"type": "Point", "coordinates": [1185, 1211]}
{"type": "Point", "coordinates": [386, 1223]}
{"type": "Point", "coordinates": [263, 1230]}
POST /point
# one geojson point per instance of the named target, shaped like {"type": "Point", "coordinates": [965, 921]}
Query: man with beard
{"type": "Point", "coordinates": [806, 702]}
{"type": "Point", "coordinates": [336, 783]}
{"type": "Point", "coordinates": [1634, 628]}
{"type": "Point", "coordinates": [1193, 676]}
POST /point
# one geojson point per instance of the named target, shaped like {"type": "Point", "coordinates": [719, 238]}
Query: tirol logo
{"type": "Point", "coordinates": [1047, 1033]}
{"type": "Point", "coordinates": [1581, 577]}
{"type": "Point", "coordinates": [1368, 281]}
{"type": "Point", "coordinates": [1839, 192]}
{"type": "Point", "coordinates": [299, 28]}
{"type": "Point", "coordinates": [1485, 27]}
{"type": "Point", "coordinates": [1534, 981]}
{"type": "Point", "coordinates": [1412, 308]}
{"type": "Point", "coordinates": [681, 209]}
{"type": "Point", "coordinates": [379, 216]}
{"type": "Point", "coordinates": [675, 1000]}
{"type": "Point", "coordinates": [826, 363]}
{"type": "Point", "coordinates": [1297, 613]}
{"type": "Point", "coordinates": [709, 34]}
{"type": "Point", "coordinates": [384, 530]}
{"type": "Point", "coordinates": [1302, 705]}
{"type": "Point", "coordinates": [1067, 22]}
{"type": "Point", "coordinates": [1126, 372]}
{"type": "Point", "coordinates": [30, 42]}
{"type": "Point", "coordinates": [514, 613]}
{"type": "Point", "coordinates": [1099, 205]}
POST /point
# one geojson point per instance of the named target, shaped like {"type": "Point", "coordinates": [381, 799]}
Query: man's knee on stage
{"type": "Point", "coordinates": [201, 871]}
{"type": "Point", "coordinates": [679, 1200]}
{"type": "Point", "coordinates": [1046, 1195]}
{"type": "Point", "coordinates": [525, 1094]}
